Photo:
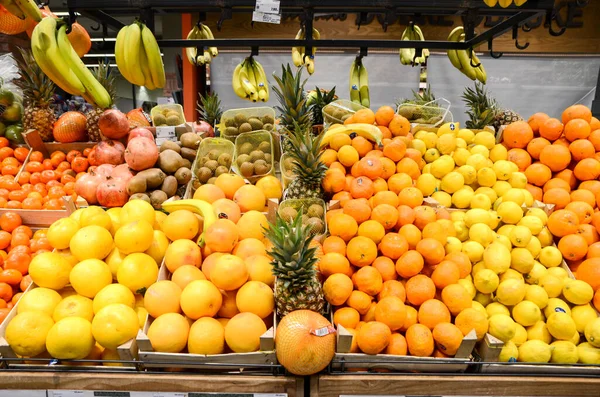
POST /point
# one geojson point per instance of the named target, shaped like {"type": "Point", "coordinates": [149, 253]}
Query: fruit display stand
{"type": "Point", "coordinates": [34, 141]}
{"type": "Point", "coordinates": [37, 219]}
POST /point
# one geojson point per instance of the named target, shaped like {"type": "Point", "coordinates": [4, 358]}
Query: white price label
{"type": "Point", "coordinates": [258, 16]}
{"type": "Point", "coordinates": [22, 393]}
{"type": "Point", "coordinates": [157, 394]}
{"type": "Point", "coordinates": [165, 134]}
{"type": "Point", "coordinates": [70, 393]}
{"type": "Point", "coordinates": [267, 6]}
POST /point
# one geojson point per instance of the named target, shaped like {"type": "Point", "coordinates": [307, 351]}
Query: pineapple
{"type": "Point", "coordinates": [38, 92]}
{"type": "Point", "coordinates": [107, 79]}
{"type": "Point", "coordinates": [505, 117]}
{"type": "Point", "coordinates": [320, 99]}
{"type": "Point", "coordinates": [483, 110]}
{"type": "Point", "coordinates": [209, 108]}
{"type": "Point", "coordinates": [293, 104]}
{"type": "Point", "coordinates": [309, 170]}
{"type": "Point", "coordinates": [294, 264]}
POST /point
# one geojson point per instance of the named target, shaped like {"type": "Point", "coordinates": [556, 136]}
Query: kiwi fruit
{"type": "Point", "coordinates": [240, 119]}
{"type": "Point", "coordinates": [346, 117]}
{"type": "Point", "coordinates": [256, 155]}
{"type": "Point", "coordinates": [190, 140]}
{"type": "Point", "coordinates": [245, 148]}
{"type": "Point", "coordinates": [261, 167]}
{"type": "Point", "coordinates": [288, 163]}
{"type": "Point", "coordinates": [221, 170]}
{"type": "Point", "coordinates": [231, 131]}
{"type": "Point", "coordinates": [288, 214]}
{"type": "Point", "coordinates": [255, 123]}
{"type": "Point", "coordinates": [338, 113]}
{"type": "Point", "coordinates": [268, 158]}
{"type": "Point", "coordinates": [265, 147]}
{"type": "Point", "coordinates": [166, 145]}
{"type": "Point", "coordinates": [183, 175]}
{"type": "Point", "coordinates": [173, 121]}
{"type": "Point", "coordinates": [137, 184]}
{"type": "Point", "coordinates": [202, 161]}
{"type": "Point", "coordinates": [169, 161]}
{"type": "Point", "coordinates": [169, 186]}
{"type": "Point", "coordinates": [316, 225]}
{"type": "Point", "coordinates": [267, 119]}
{"type": "Point", "coordinates": [229, 122]}
{"type": "Point", "coordinates": [247, 169]}
{"type": "Point", "coordinates": [329, 109]}
{"type": "Point", "coordinates": [158, 197]}
{"type": "Point", "coordinates": [242, 158]}
{"type": "Point", "coordinates": [212, 180]}
{"type": "Point", "coordinates": [213, 154]}
{"type": "Point", "coordinates": [204, 174]}
{"type": "Point", "coordinates": [159, 119]}
{"type": "Point", "coordinates": [246, 127]}
{"type": "Point", "coordinates": [211, 165]}
{"type": "Point", "coordinates": [165, 112]}
{"type": "Point", "coordinates": [305, 219]}
{"type": "Point", "coordinates": [315, 210]}
{"type": "Point", "coordinates": [188, 154]}
{"type": "Point", "coordinates": [140, 196]}
{"type": "Point", "coordinates": [268, 127]}
{"type": "Point", "coordinates": [224, 160]}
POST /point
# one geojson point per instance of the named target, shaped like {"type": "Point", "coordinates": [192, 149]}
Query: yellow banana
{"type": "Point", "coordinates": [244, 79]}
{"type": "Point", "coordinates": [505, 3]}
{"type": "Point", "coordinates": [464, 56]}
{"type": "Point", "coordinates": [367, 131]}
{"type": "Point", "coordinates": [30, 9]}
{"type": "Point", "coordinates": [47, 55]}
{"type": "Point", "coordinates": [13, 8]}
{"type": "Point", "coordinates": [363, 86]}
{"type": "Point", "coordinates": [452, 54]}
{"type": "Point", "coordinates": [355, 82]}
{"type": "Point", "coordinates": [148, 83]}
{"type": "Point", "coordinates": [93, 88]}
{"type": "Point", "coordinates": [490, 3]}
{"type": "Point", "coordinates": [519, 3]}
{"type": "Point", "coordinates": [310, 65]}
{"type": "Point", "coordinates": [155, 62]}
{"type": "Point", "coordinates": [133, 46]}
{"type": "Point", "coordinates": [480, 70]}
{"type": "Point", "coordinates": [236, 83]}
{"type": "Point", "coordinates": [252, 79]}
{"type": "Point", "coordinates": [261, 80]}
{"type": "Point", "coordinates": [191, 52]}
{"type": "Point", "coordinates": [199, 207]}
{"type": "Point", "coordinates": [120, 52]}
{"type": "Point", "coordinates": [209, 35]}
{"type": "Point", "coordinates": [298, 52]}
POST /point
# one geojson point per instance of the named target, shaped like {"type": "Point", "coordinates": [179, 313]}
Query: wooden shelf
{"type": "Point", "coordinates": [462, 385]}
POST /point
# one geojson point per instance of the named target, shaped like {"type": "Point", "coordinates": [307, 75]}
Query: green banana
{"type": "Point", "coordinates": [29, 8]}
{"type": "Point", "coordinates": [93, 88]}
{"type": "Point", "coordinates": [155, 62]}
{"type": "Point", "coordinates": [363, 77]}
{"type": "Point", "coordinates": [199, 207]}
{"type": "Point", "coordinates": [13, 8]}
{"type": "Point", "coordinates": [355, 82]}
{"type": "Point", "coordinates": [236, 82]}
{"type": "Point", "coordinates": [452, 54]}
{"type": "Point", "coordinates": [367, 131]}
{"type": "Point", "coordinates": [133, 46]}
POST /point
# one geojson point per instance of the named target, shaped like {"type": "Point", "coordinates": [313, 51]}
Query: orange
{"type": "Point", "coordinates": [551, 129]}
{"type": "Point", "coordinates": [536, 145]}
{"type": "Point", "coordinates": [368, 280]}
{"type": "Point", "coordinates": [334, 262]}
{"type": "Point", "coordinates": [365, 116]}
{"type": "Point", "coordinates": [406, 215]}
{"type": "Point", "coordinates": [334, 244]}
{"type": "Point", "coordinates": [433, 312]}
{"type": "Point", "coordinates": [587, 169]}
{"type": "Point", "coordinates": [410, 167]}
{"type": "Point", "coordinates": [250, 198]}
{"type": "Point", "coordinates": [229, 306]}
{"type": "Point", "coordinates": [399, 125]}
{"type": "Point", "coordinates": [445, 273]}
{"type": "Point", "coordinates": [359, 209]}
{"type": "Point", "coordinates": [424, 215]}
{"type": "Point", "coordinates": [419, 289]}
{"type": "Point", "coordinates": [386, 197]}
{"type": "Point", "coordinates": [577, 112]}
{"type": "Point", "coordinates": [398, 182]}
{"type": "Point", "coordinates": [397, 345]}
{"type": "Point", "coordinates": [456, 298]}
{"type": "Point", "coordinates": [517, 135]}
{"type": "Point", "coordinates": [556, 157]}
{"type": "Point", "coordinates": [373, 337]}
{"type": "Point", "coordinates": [584, 196]}
{"type": "Point", "coordinates": [583, 210]}
{"type": "Point", "coordinates": [347, 317]}
{"type": "Point", "coordinates": [361, 251]}
{"type": "Point", "coordinates": [386, 267]}
{"type": "Point", "coordinates": [384, 115]}
{"type": "Point", "coordinates": [536, 120]}
{"type": "Point", "coordinates": [339, 140]}
{"type": "Point", "coordinates": [462, 261]}
{"type": "Point", "coordinates": [348, 156]}
{"type": "Point", "coordinates": [447, 337]}
{"type": "Point", "coordinates": [359, 301]}
{"type": "Point", "coordinates": [589, 271]}
{"type": "Point", "coordinates": [563, 222]}
{"type": "Point", "coordinates": [394, 150]}
{"type": "Point", "coordinates": [419, 340]}
{"type": "Point", "coordinates": [472, 319]}
{"type": "Point", "coordinates": [229, 184]}
{"type": "Point", "coordinates": [209, 193]}
{"type": "Point", "coordinates": [436, 231]}
{"type": "Point", "coordinates": [249, 247]}
{"type": "Point", "coordinates": [372, 230]}
{"type": "Point", "coordinates": [334, 181]}
{"type": "Point", "coordinates": [385, 214]}
{"type": "Point", "coordinates": [229, 273]}
{"type": "Point", "coordinates": [409, 264]}
{"type": "Point", "coordinates": [362, 187]}
{"type": "Point", "coordinates": [573, 247]}
{"type": "Point", "coordinates": [538, 174]}
{"type": "Point", "coordinates": [432, 251]}
{"type": "Point", "coordinates": [392, 288]}
{"type": "Point", "coordinates": [337, 289]}
{"type": "Point", "coordinates": [393, 245]}
{"type": "Point", "coordinates": [362, 146]}
{"type": "Point", "coordinates": [200, 298]}
{"type": "Point", "coordinates": [391, 311]}
{"type": "Point", "coordinates": [185, 274]}
{"type": "Point", "coordinates": [582, 149]}
{"type": "Point", "coordinates": [255, 297]}
{"type": "Point", "coordinates": [329, 156]}
{"type": "Point", "coordinates": [343, 225]}
{"type": "Point", "coordinates": [162, 297]}
{"type": "Point", "coordinates": [221, 236]}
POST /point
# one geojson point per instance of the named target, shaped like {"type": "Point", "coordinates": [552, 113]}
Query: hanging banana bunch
{"type": "Point", "coordinates": [465, 60]}
{"type": "Point", "coordinates": [299, 56]}
{"type": "Point", "coordinates": [504, 3]}
{"type": "Point", "coordinates": [23, 9]}
{"type": "Point", "coordinates": [200, 32]}
{"type": "Point", "coordinates": [249, 81]}
{"type": "Point", "coordinates": [359, 83]}
{"type": "Point", "coordinates": [407, 55]}
{"type": "Point", "coordinates": [138, 56]}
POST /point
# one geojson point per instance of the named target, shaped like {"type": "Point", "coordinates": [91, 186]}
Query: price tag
{"type": "Point", "coordinates": [157, 394]}
{"type": "Point", "coordinates": [112, 394]}
{"type": "Point", "coordinates": [22, 393]}
{"type": "Point", "coordinates": [165, 134]}
{"type": "Point", "coordinates": [258, 16]}
{"type": "Point", "coordinates": [267, 6]}
{"type": "Point", "coordinates": [70, 393]}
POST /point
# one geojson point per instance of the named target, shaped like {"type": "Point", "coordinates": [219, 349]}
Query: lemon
{"type": "Point", "coordinates": [446, 143]}
{"type": "Point", "coordinates": [39, 300]}
{"type": "Point", "coordinates": [442, 166]}
{"type": "Point", "coordinates": [136, 236]}
{"type": "Point", "coordinates": [528, 197]}
{"type": "Point", "coordinates": [534, 351]}
{"type": "Point", "coordinates": [482, 234]}
{"type": "Point", "coordinates": [505, 241]}
{"type": "Point", "coordinates": [558, 272]}
{"type": "Point", "coordinates": [552, 284]}
{"type": "Point", "coordinates": [526, 313]}
{"type": "Point", "coordinates": [91, 242]}
{"type": "Point", "coordinates": [486, 177]}
{"type": "Point", "coordinates": [501, 187]}
{"type": "Point", "coordinates": [462, 231]}
{"type": "Point", "coordinates": [550, 256]}
{"type": "Point", "coordinates": [115, 217]}
{"type": "Point", "coordinates": [537, 295]}
{"type": "Point", "coordinates": [514, 196]}
{"type": "Point", "coordinates": [538, 213]}
{"type": "Point", "coordinates": [473, 250]}
{"type": "Point", "coordinates": [426, 184]}
{"type": "Point", "coordinates": [468, 172]}
{"type": "Point", "coordinates": [564, 352]}
{"type": "Point", "coordinates": [510, 212]}
{"type": "Point", "coordinates": [588, 354]}
{"type": "Point", "coordinates": [94, 215]}
{"type": "Point", "coordinates": [113, 260]}
{"type": "Point", "coordinates": [578, 292]}
{"type": "Point", "coordinates": [452, 182]}
{"type": "Point", "coordinates": [476, 215]}
{"type": "Point", "coordinates": [520, 335]}
{"type": "Point", "coordinates": [534, 247]}
{"type": "Point", "coordinates": [498, 152]}
{"type": "Point", "coordinates": [60, 232]}
{"type": "Point", "coordinates": [477, 161]}
{"type": "Point", "coordinates": [556, 305]}
{"type": "Point", "coordinates": [539, 331]}
{"type": "Point", "coordinates": [113, 293]}
{"type": "Point", "coordinates": [497, 258]}
{"type": "Point", "coordinates": [460, 155]}
{"type": "Point", "coordinates": [583, 315]}
{"type": "Point", "coordinates": [511, 274]}
{"type": "Point", "coordinates": [468, 285]}
{"type": "Point", "coordinates": [509, 352]}
{"type": "Point", "coordinates": [466, 134]}
{"type": "Point", "coordinates": [502, 327]}
{"type": "Point", "coordinates": [462, 198]}
{"type": "Point", "coordinates": [575, 339]}
{"type": "Point", "coordinates": [488, 191]}
{"type": "Point", "coordinates": [443, 198]}
{"type": "Point", "coordinates": [74, 306]}
{"type": "Point", "coordinates": [520, 236]}
{"type": "Point", "coordinates": [137, 272]}
{"type": "Point", "coordinates": [483, 300]}
{"type": "Point", "coordinates": [533, 223]}
{"type": "Point", "coordinates": [486, 281]}
{"type": "Point", "coordinates": [476, 268]}
{"type": "Point", "coordinates": [26, 333]}
{"type": "Point", "coordinates": [521, 260]}
{"type": "Point", "coordinates": [76, 214]}
{"type": "Point", "coordinates": [592, 332]}
{"type": "Point", "coordinates": [505, 230]}
{"type": "Point", "coordinates": [536, 273]}
{"type": "Point", "coordinates": [478, 306]}
{"type": "Point", "coordinates": [561, 326]}
{"type": "Point", "coordinates": [88, 277]}
{"type": "Point", "coordinates": [448, 128]}
{"type": "Point", "coordinates": [481, 201]}
{"type": "Point", "coordinates": [510, 292]}
{"type": "Point", "coordinates": [496, 308]}
{"type": "Point", "coordinates": [114, 325]}
{"type": "Point", "coordinates": [453, 245]}
{"type": "Point", "coordinates": [50, 270]}
{"type": "Point", "coordinates": [518, 180]}
{"type": "Point", "coordinates": [70, 338]}
{"type": "Point", "coordinates": [480, 150]}
{"type": "Point", "coordinates": [137, 210]}
{"type": "Point", "coordinates": [546, 238]}
{"type": "Point", "coordinates": [430, 139]}
{"type": "Point", "coordinates": [419, 145]}
{"type": "Point", "coordinates": [485, 138]}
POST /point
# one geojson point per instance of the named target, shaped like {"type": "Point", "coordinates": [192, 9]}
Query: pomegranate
{"type": "Point", "coordinates": [110, 152]}
{"type": "Point", "coordinates": [87, 185]}
{"type": "Point", "coordinates": [113, 124]}
{"type": "Point", "coordinates": [112, 193]}
{"type": "Point", "coordinates": [104, 170]}
{"type": "Point", "coordinates": [140, 132]}
{"type": "Point", "coordinates": [203, 127]}
{"type": "Point", "coordinates": [122, 172]}
{"type": "Point", "coordinates": [141, 153]}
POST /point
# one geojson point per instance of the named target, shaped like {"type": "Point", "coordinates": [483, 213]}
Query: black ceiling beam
{"type": "Point", "coordinates": [102, 18]}
{"type": "Point", "coordinates": [501, 28]}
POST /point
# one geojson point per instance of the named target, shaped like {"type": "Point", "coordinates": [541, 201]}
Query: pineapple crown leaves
{"type": "Point", "coordinates": [293, 258]}
{"type": "Point", "coordinates": [106, 78]}
{"type": "Point", "coordinates": [482, 108]}
{"type": "Point", "coordinates": [321, 99]}
{"type": "Point", "coordinates": [37, 87]}
{"type": "Point", "coordinates": [293, 104]}
{"type": "Point", "coordinates": [306, 151]}
{"type": "Point", "coordinates": [209, 107]}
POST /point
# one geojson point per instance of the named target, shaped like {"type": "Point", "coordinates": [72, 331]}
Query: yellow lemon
{"type": "Point", "coordinates": [426, 184]}
{"type": "Point", "coordinates": [505, 241]}
{"type": "Point", "coordinates": [558, 272]}
{"type": "Point", "coordinates": [486, 139]}
{"type": "Point", "coordinates": [142, 315]}
{"type": "Point", "coordinates": [94, 215]}
{"type": "Point", "coordinates": [518, 180]}
{"type": "Point", "coordinates": [137, 272]}
{"type": "Point", "coordinates": [158, 247]}
{"type": "Point", "coordinates": [169, 333]}
{"type": "Point", "coordinates": [592, 332]}
{"type": "Point", "coordinates": [534, 247]}
{"type": "Point", "coordinates": [550, 257]}
{"type": "Point", "coordinates": [520, 335]}
{"type": "Point", "coordinates": [486, 177]}
{"type": "Point", "coordinates": [546, 238]}
{"type": "Point", "coordinates": [564, 352]}
{"type": "Point", "coordinates": [509, 352]}
{"type": "Point", "coordinates": [443, 198]}
{"type": "Point", "coordinates": [113, 293]}
{"type": "Point", "coordinates": [501, 187]}
{"type": "Point", "coordinates": [534, 351]}
{"type": "Point", "coordinates": [442, 166]}
{"type": "Point", "coordinates": [206, 336]}
{"type": "Point", "coordinates": [511, 274]}
{"type": "Point", "coordinates": [468, 285]}
{"type": "Point", "coordinates": [583, 315]}
{"type": "Point", "coordinates": [561, 326]}
{"type": "Point", "coordinates": [539, 331]}
{"type": "Point", "coordinates": [526, 313]}
{"type": "Point", "coordinates": [498, 152]}
{"type": "Point", "coordinates": [538, 213]}
{"type": "Point", "coordinates": [497, 258]}
{"type": "Point", "coordinates": [496, 308]}
{"type": "Point", "coordinates": [137, 210]}
{"type": "Point", "coordinates": [510, 212]}
{"type": "Point", "coordinates": [114, 325]}
{"type": "Point", "coordinates": [453, 244]}
{"type": "Point", "coordinates": [486, 281]}
{"type": "Point", "coordinates": [556, 305]}
{"type": "Point", "coordinates": [520, 236]}
{"type": "Point", "coordinates": [578, 292]}
{"type": "Point", "coordinates": [466, 134]}
{"type": "Point", "coordinates": [74, 306]}
{"type": "Point", "coordinates": [477, 215]}
{"type": "Point", "coordinates": [510, 292]}
{"type": "Point", "coordinates": [502, 327]}
{"type": "Point", "coordinates": [446, 143]}
{"type": "Point", "coordinates": [533, 223]}
{"type": "Point", "coordinates": [468, 172]}
{"type": "Point", "coordinates": [461, 154]}
{"type": "Point", "coordinates": [514, 196]}
{"type": "Point", "coordinates": [536, 273]}
{"type": "Point", "coordinates": [26, 333]}
{"type": "Point", "coordinates": [77, 214]}
{"type": "Point", "coordinates": [68, 256]}
{"type": "Point", "coordinates": [482, 201]}
{"type": "Point", "coordinates": [483, 300]}
{"type": "Point", "coordinates": [537, 295]}
{"type": "Point", "coordinates": [136, 236]}
{"type": "Point", "coordinates": [480, 150]}
{"type": "Point", "coordinates": [39, 299]}
{"type": "Point", "coordinates": [88, 277]}
{"type": "Point", "coordinates": [588, 354]}
{"type": "Point", "coordinates": [462, 198]}
{"type": "Point", "coordinates": [91, 242]}
{"type": "Point", "coordinates": [60, 232]}
{"type": "Point", "coordinates": [181, 224]}
{"type": "Point", "coordinates": [473, 250]}
{"type": "Point", "coordinates": [70, 339]}
{"type": "Point", "coordinates": [552, 284]}
{"type": "Point", "coordinates": [521, 260]}
{"type": "Point", "coordinates": [50, 270]}
{"type": "Point", "coordinates": [271, 187]}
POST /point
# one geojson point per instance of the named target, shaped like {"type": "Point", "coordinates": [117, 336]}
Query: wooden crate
{"type": "Point", "coordinates": [262, 361]}
{"type": "Point", "coordinates": [39, 219]}
{"type": "Point", "coordinates": [33, 140]}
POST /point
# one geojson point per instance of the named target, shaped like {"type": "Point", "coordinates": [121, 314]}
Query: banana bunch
{"type": "Point", "coordinates": [202, 32]}
{"type": "Point", "coordinates": [464, 60]}
{"type": "Point", "coordinates": [249, 81]}
{"type": "Point", "coordinates": [23, 9]}
{"type": "Point", "coordinates": [200, 207]}
{"type": "Point", "coordinates": [299, 56]}
{"type": "Point", "coordinates": [407, 55]}
{"type": "Point", "coordinates": [55, 55]}
{"type": "Point", "coordinates": [359, 83]}
{"type": "Point", "coordinates": [504, 3]}
{"type": "Point", "coordinates": [367, 131]}
{"type": "Point", "coordinates": [138, 56]}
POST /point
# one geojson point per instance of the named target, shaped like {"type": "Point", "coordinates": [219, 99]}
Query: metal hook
{"type": "Point", "coordinates": [493, 54]}
{"type": "Point", "coordinates": [418, 54]}
{"type": "Point", "coordinates": [516, 39]}
{"type": "Point", "coordinates": [364, 51]}
{"type": "Point", "coordinates": [526, 28]}
{"type": "Point", "coordinates": [549, 18]}
{"type": "Point", "coordinates": [96, 27]}
{"type": "Point", "coordinates": [225, 14]}
{"type": "Point", "coordinates": [471, 59]}
{"type": "Point", "coordinates": [72, 20]}
{"type": "Point", "coordinates": [254, 51]}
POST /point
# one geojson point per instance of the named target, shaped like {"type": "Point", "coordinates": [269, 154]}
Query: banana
{"type": "Point", "coordinates": [236, 82]}
{"type": "Point", "coordinates": [310, 65]}
{"type": "Point", "coordinates": [47, 56]}
{"type": "Point", "coordinates": [192, 52]}
{"type": "Point", "coordinates": [199, 207]}
{"type": "Point", "coordinates": [363, 89]}
{"type": "Point", "coordinates": [452, 54]}
{"type": "Point", "coordinates": [355, 82]}
{"type": "Point", "coordinates": [490, 3]}
{"type": "Point", "coordinates": [29, 8]}
{"type": "Point", "coordinates": [464, 56]}
{"type": "Point", "coordinates": [519, 3]}
{"type": "Point", "coordinates": [480, 70]}
{"type": "Point", "coordinates": [209, 35]}
{"type": "Point", "coordinates": [244, 78]}
{"type": "Point", "coordinates": [252, 78]}
{"type": "Point", "coordinates": [316, 36]}
{"type": "Point", "coordinates": [298, 52]}
{"type": "Point", "coordinates": [13, 8]}
{"type": "Point", "coordinates": [133, 46]}
{"type": "Point", "coordinates": [120, 53]}
{"type": "Point", "coordinates": [367, 131]}
{"type": "Point", "coordinates": [93, 88]}
{"type": "Point", "coordinates": [148, 83]}
{"type": "Point", "coordinates": [261, 80]}
{"type": "Point", "coordinates": [505, 3]}
{"type": "Point", "coordinates": [155, 62]}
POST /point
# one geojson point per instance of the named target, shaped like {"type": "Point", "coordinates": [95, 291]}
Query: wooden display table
{"type": "Point", "coordinates": [451, 385]}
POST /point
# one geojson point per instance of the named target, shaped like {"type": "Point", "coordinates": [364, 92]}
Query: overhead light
{"type": "Point", "coordinates": [105, 55]}
{"type": "Point", "coordinates": [64, 14]}
{"type": "Point", "coordinates": [112, 65]}
{"type": "Point", "coordinates": [100, 39]}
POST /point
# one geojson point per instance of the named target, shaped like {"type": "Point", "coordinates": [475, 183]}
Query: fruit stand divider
{"type": "Point", "coordinates": [264, 360]}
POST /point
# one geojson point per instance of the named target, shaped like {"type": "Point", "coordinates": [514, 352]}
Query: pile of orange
{"type": "Point", "coordinates": [386, 119]}
{"type": "Point", "coordinates": [40, 183]}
